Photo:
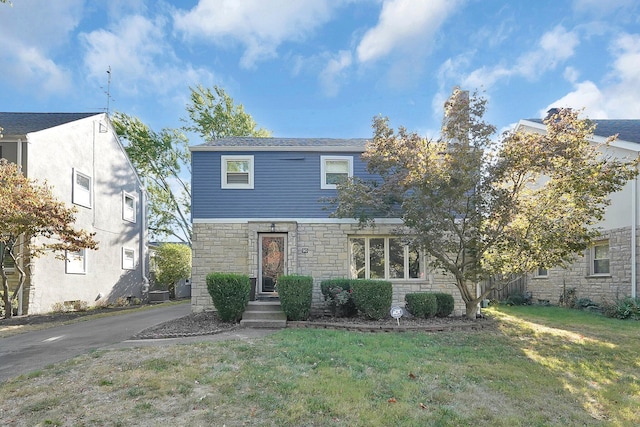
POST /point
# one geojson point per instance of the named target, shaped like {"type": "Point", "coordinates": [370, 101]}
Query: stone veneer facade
{"type": "Point", "coordinates": [598, 288]}
{"type": "Point", "coordinates": [319, 250]}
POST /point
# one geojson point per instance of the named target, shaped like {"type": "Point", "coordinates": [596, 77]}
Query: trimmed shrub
{"type": "Point", "coordinates": [230, 294]}
{"type": "Point", "coordinates": [372, 297]}
{"type": "Point", "coordinates": [445, 304]}
{"type": "Point", "coordinates": [338, 297]}
{"type": "Point", "coordinates": [423, 304]}
{"type": "Point", "coordinates": [295, 294]}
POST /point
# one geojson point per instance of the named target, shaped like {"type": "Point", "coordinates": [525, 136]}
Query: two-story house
{"type": "Point", "coordinates": [258, 209]}
{"type": "Point", "coordinates": [81, 157]}
{"type": "Point", "coordinates": [609, 269]}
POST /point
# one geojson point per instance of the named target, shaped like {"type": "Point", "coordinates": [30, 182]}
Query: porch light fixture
{"type": "Point", "coordinates": [273, 227]}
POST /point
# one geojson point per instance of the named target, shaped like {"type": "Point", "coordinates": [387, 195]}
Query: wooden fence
{"type": "Point", "coordinates": [517, 286]}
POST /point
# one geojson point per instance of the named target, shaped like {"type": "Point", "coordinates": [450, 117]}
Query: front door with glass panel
{"type": "Point", "coordinates": [273, 261]}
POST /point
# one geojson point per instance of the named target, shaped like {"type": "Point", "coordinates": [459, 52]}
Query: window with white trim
{"type": "Point", "coordinates": [76, 262]}
{"type": "Point", "coordinates": [541, 273]}
{"type": "Point", "coordinates": [600, 258]}
{"type": "Point", "coordinates": [374, 257]}
{"type": "Point", "coordinates": [128, 259]}
{"type": "Point", "coordinates": [335, 170]}
{"type": "Point", "coordinates": [128, 207]}
{"type": "Point", "coordinates": [81, 191]}
{"type": "Point", "coordinates": [237, 172]}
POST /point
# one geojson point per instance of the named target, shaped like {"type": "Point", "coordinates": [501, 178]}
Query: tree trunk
{"type": "Point", "coordinates": [6, 298]}
{"type": "Point", "coordinates": [471, 309]}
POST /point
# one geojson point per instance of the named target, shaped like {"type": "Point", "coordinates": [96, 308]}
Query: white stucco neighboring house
{"type": "Point", "coordinates": [609, 269]}
{"type": "Point", "coordinates": [81, 157]}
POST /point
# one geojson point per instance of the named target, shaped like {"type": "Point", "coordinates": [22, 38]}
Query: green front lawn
{"type": "Point", "coordinates": [542, 366]}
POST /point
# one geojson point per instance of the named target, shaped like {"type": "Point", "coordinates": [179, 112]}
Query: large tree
{"type": "Point", "coordinates": [173, 262]}
{"type": "Point", "coordinates": [480, 208]}
{"type": "Point", "coordinates": [163, 161]}
{"type": "Point", "coordinates": [32, 223]}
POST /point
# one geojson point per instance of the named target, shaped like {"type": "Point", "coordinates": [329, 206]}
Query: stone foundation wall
{"type": "Point", "coordinates": [319, 250]}
{"type": "Point", "coordinates": [598, 288]}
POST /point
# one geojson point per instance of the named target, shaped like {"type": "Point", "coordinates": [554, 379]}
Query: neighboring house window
{"type": "Point", "coordinates": [76, 262]}
{"type": "Point", "coordinates": [541, 272]}
{"type": "Point", "coordinates": [334, 170]}
{"type": "Point", "coordinates": [383, 258]}
{"type": "Point", "coordinates": [128, 207]}
{"type": "Point", "coordinates": [81, 189]}
{"type": "Point", "coordinates": [237, 172]}
{"type": "Point", "coordinates": [128, 259]}
{"type": "Point", "coordinates": [600, 258]}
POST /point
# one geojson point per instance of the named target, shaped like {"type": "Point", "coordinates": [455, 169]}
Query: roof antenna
{"type": "Point", "coordinates": [108, 92]}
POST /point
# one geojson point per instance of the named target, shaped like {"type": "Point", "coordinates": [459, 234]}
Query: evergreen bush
{"type": "Point", "coordinates": [295, 294]}
{"type": "Point", "coordinates": [446, 304]}
{"type": "Point", "coordinates": [230, 294]}
{"type": "Point", "coordinates": [423, 304]}
{"type": "Point", "coordinates": [338, 297]}
{"type": "Point", "coordinates": [372, 297]}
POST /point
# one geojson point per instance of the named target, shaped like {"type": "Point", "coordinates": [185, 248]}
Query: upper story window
{"type": "Point", "coordinates": [81, 192]}
{"type": "Point", "coordinates": [76, 262]}
{"type": "Point", "coordinates": [334, 170]}
{"type": "Point", "coordinates": [237, 172]}
{"type": "Point", "coordinates": [383, 258]}
{"type": "Point", "coordinates": [600, 258]}
{"type": "Point", "coordinates": [128, 207]}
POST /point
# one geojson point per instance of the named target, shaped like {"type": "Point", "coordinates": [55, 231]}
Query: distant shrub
{"type": "Point", "coordinates": [446, 304]}
{"type": "Point", "coordinates": [623, 308]}
{"type": "Point", "coordinates": [80, 305]}
{"type": "Point", "coordinates": [568, 298]}
{"type": "Point", "coordinates": [338, 297]}
{"type": "Point", "coordinates": [517, 299]}
{"type": "Point", "coordinates": [58, 307]}
{"type": "Point", "coordinates": [372, 297]}
{"type": "Point", "coordinates": [295, 294]}
{"type": "Point", "coordinates": [423, 304]}
{"type": "Point", "coordinates": [230, 294]}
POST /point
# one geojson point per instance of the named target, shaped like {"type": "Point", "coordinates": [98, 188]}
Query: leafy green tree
{"type": "Point", "coordinates": [32, 223]}
{"type": "Point", "coordinates": [163, 163]}
{"type": "Point", "coordinates": [484, 209]}
{"type": "Point", "coordinates": [162, 159]}
{"type": "Point", "coordinates": [173, 262]}
{"type": "Point", "coordinates": [213, 114]}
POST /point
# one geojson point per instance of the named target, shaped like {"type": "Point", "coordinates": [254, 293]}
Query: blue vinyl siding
{"type": "Point", "coordinates": [286, 185]}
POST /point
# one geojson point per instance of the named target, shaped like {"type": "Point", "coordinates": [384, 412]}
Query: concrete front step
{"type": "Point", "coordinates": [263, 314]}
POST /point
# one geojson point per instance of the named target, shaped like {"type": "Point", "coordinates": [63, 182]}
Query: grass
{"type": "Point", "coordinates": [542, 366]}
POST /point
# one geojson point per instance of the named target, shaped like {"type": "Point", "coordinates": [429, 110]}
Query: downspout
{"type": "Point", "coordinates": [143, 241]}
{"type": "Point", "coordinates": [20, 260]}
{"type": "Point", "coordinates": [634, 221]}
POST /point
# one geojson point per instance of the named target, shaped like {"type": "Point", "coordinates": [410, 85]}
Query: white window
{"type": "Point", "coordinates": [237, 172]}
{"type": "Point", "coordinates": [383, 258]}
{"type": "Point", "coordinates": [76, 262]}
{"type": "Point", "coordinates": [128, 207]}
{"type": "Point", "coordinates": [81, 189]}
{"type": "Point", "coordinates": [334, 170]}
{"type": "Point", "coordinates": [128, 259]}
{"type": "Point", "coordinates": [600, 258]}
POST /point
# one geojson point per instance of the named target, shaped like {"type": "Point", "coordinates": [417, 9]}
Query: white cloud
{"type": "Point", "coordinates": [31, 33]}
{"type": "Point", "coordinates": [404, 25]}
{"type": "Point", "coordinates": [260, 26]}
{"type": "Point", "coordinates": [334, 73]}
{"type": "Point", "coordinates": [618, 96]}
{"type": "Point", "coordinates": [139, 56]}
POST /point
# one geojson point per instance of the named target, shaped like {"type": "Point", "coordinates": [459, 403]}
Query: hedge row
{"type": "Point", "coordinates": [345, 297]}
{"type": "Point", "coordinates": [429, 304]}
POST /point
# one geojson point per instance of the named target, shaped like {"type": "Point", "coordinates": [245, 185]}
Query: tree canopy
{"type": "Point", "coordinates": [32, 223]}
{"type": "Point", "coordinates": [173, 262]}
{"type": "Point", "coordinates": [480, 208]}
{"type": "Point", "coordinates": [162, 159]}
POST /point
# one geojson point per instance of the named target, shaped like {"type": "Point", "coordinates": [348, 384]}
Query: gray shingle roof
{"type": "Point", "coordinates": [24, 123]}
{"type": "Point", "coordinates": [292, 144]}
{"type": "Point", "coordinates": [627, 129]}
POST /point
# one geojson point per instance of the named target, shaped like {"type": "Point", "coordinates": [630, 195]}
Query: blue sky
{"type": "Point", "coordinates": [322, 68]}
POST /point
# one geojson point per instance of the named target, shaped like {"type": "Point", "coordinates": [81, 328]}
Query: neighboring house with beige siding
{"type": "Point", "coordinates": [609, 269]}
{"type": "Point", "coordinates": [81, 157]}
